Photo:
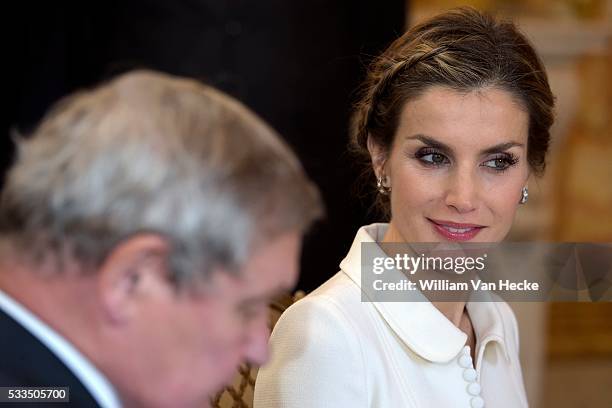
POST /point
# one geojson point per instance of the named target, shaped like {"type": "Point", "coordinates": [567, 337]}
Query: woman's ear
{"type": "Point", "coordinates": [378, 156]}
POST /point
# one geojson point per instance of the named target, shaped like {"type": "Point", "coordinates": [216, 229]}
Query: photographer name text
{"type": "Point", "coordinates": [448, 285]}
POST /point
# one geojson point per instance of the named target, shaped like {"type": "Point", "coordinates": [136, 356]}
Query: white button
{"type": "Point", "coordinates": [469, 374]}
{"type": "Point", "coordinates": [474, 388]}
{"type": "Point", "coordinates": [477, 402]}
{"type": "Point", "coordinates": [465, 361]}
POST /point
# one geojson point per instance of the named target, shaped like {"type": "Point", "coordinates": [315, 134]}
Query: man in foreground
{"type": "Point", "coordinates": [143, 229]}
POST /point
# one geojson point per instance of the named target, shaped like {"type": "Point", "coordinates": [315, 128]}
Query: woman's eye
{"type": "Point", "coordinates": [500, 163]}
{"type": "Point", "coordinates": [435, 159]}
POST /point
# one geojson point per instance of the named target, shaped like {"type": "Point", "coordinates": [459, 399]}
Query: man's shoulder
{"type": "Point", "coordinates": [26, 362]}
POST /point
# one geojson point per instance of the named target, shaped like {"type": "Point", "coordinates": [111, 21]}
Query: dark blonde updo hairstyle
{"type": "Point", "coordinates": [462, 49]}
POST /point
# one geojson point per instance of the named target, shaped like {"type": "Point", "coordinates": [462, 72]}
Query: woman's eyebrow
{"type": "Point", "coordinates": [501, 147]}
{"type": "Point", "coordinates": [430, 141]}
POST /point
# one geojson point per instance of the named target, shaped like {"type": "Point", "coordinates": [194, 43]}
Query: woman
{"type": "Point", "coordinates": [454, 118]}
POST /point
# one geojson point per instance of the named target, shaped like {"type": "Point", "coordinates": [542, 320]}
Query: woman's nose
{"type": "Point", "coordinates": [462, 190]}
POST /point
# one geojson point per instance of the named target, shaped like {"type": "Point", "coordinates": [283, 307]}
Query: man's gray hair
{"type": "Point", "coordinates": [148, 152]}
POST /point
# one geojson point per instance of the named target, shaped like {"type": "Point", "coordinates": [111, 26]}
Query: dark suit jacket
{"type": "Point", "coordinates": [26, 362]}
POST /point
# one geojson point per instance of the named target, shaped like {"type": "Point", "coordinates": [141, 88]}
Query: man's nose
{"type": "Point", "coordinates": [256, 348]}
{"type": "Point", "coordinates": [462, 190]}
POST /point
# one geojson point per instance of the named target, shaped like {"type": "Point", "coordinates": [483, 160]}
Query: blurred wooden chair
{"type": "Point", "coordinates": [240, 393]}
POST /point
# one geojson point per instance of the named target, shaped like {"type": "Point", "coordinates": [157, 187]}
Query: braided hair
{"type": "Point", "coordinates": [462, 49]}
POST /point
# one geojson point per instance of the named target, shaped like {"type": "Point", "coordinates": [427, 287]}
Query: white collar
{"type": "Point", "coordinates": [420, 325]}
{"type": "Point", "coordinates": [91, 378]}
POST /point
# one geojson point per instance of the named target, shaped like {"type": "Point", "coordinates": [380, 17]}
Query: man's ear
{"type": "Point", "coordinates": [378, 156]}
{"type": "Point", "coordinates": [134, 271]}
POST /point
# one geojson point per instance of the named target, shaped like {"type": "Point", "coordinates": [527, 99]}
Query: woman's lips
{"type": "Point", "coordinates": [455, 231]}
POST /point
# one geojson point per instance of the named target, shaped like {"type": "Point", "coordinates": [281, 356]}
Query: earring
{"type": "Point", "coordinates": [381, 187]}
{"type": "Point", "coordinates": [524, 195]}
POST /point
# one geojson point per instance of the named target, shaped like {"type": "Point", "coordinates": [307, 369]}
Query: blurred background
{"type": "Point", "coordinates": [566, 348]}
{"type": "Point", "coordinates": [297, 64]}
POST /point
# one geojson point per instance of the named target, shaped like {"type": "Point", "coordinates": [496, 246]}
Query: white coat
{"type": "Point", "coordinates": [330, 349]}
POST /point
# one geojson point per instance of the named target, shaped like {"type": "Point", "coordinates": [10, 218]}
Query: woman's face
{"type": "Point", "coordinates": [457, 166]}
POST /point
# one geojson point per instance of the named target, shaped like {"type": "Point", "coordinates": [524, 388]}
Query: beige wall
{"type": "Point", "coordinates": [566, 349]}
